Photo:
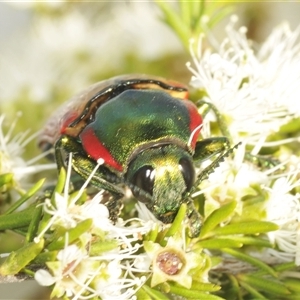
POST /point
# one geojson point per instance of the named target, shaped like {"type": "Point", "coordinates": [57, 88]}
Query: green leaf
{"type": "Point", "coordinates": [218, 243]}
{"type": "Point", "coordinates": [235, 288]}
{"type": "Point", "coordinates": [198, 10]}
{"type": "Point", "coordinates": [74, 233]}
{"type": "Point", "coordinates": [219, 14]}
{"type": "Point", "coordinates": [251, 260]}
{"type": "Point", "coordinates": [44, 257]}
{"type": "Point", "coordinates": [293, 285]}
{"type": "Point", "coordinates": [205, 286]}
{"type": "Point", "coordinates": [267, 285]}
{"type": "Point", "coordinates": [154, 294]}
{"type": "Point", "coordinates": [17, 260]}
{"type": "Point", "coordinates": [193, 294]}
{"type": "Point", "coordinates": [60, 182]}
{"type": "Point", "coordinates": [26, 196]}
{"type": "Point", "coordinates": [177, 223]}
{"type": "Point", "coordinates": [285, 266]}
{"type": "Point", "coordinates": [185, 19]}
{"type": "Point", "coordinates": [17, 220]}
{"type": "Point", "coordinates": [103, 246]}
{"type": "Point", "coordinates": [186, 11]}
{"type": "Point", "coordinates": [216, 217]}
{"type": "Point", "coordinates": [233, 241]}
{"type": "Point", "coordinates": [256, 295]}
{"type": "Point", "coordinates": [152, 235]}
{"type": "Point", "coordinates": [142, 294]}
{"type": "Point", "coordinates": [277, 268]}
{"type": "Point", "coordinates": [253, 227]}
{"type": "Point", "coordinates": [253, 241]}
{"type": "Point", "coordinates": [172, 18]}
{"type": "Point", "coordinates": [34, 224]}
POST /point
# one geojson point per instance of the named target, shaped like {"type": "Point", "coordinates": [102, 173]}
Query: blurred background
{"type": "Point", "coordinates": [49, 51]}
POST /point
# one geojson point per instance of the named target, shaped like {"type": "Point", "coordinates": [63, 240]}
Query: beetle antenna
{"type": "Point", "coordinates": [210, 168]}
{"type": "Point", "coordinates": [189, 143]}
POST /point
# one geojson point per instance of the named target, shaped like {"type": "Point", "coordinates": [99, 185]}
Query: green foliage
{"type": "Point", "coordinates": [188, 19]}
{"type": "Point", "coordinates": [20, 259]}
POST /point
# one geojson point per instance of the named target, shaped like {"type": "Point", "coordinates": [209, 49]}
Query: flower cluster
{"type": "Point", "coordinates": [11, 152]}
{"type": "Point", "coordinates": [14, 169]}
{"type": "Point", "coordinates": [255, 93]}
{"type": "Point", "coordinates": [96, 257]}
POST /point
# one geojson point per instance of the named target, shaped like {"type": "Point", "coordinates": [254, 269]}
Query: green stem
{"type": "Point", "coordinates": [25, 197]}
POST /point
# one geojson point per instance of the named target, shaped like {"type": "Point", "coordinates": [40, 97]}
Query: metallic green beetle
{"type": "Point", "coordinates": [145, 133]}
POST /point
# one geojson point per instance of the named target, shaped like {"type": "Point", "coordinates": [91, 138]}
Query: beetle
{"type": "Point", "coordinates": [143, 133]}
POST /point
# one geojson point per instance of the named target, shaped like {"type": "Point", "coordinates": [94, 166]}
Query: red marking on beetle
{"type": "Point", "coordinates": [96, 150]}
{"type": "Point", "coordinates": [195, 121]}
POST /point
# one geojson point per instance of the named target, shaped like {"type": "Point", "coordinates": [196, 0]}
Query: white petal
{"type": "Point", "coordinates": [44, 278]}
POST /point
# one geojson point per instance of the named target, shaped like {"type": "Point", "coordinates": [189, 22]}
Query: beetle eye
{"type": "Point", "coordinates": [188, 172]}
{"type": "Point", "coordinates": [144, 180]}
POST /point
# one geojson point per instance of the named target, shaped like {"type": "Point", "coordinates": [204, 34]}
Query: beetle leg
{"type": "Point", "coordinates": [195, 219]}
{"type": "Point", "coordinates": [84, 166]}
{"type": "Point", "coordinates": [62, 143]}
{"type": "Point", "coordinates": [205, 107]}
{"type": "Point", "coordinates": [210, 168]}
{"type": "Point", "coordinates": [211, 146]}
{"type": "Point", "coordinates": [114, 206]}
{"type": "Point", "coordinates": [260, 161]}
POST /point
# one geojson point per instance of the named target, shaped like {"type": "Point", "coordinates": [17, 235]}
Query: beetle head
{"type": "Point", "coordinates": [161, 177]}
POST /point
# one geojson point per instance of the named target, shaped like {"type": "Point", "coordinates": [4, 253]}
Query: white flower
{"type": "Point", "coordinates": [12, 148]}
{"type": "Point", "coordinates": [234, 179]}
{"type": "Point", "coordinates": [67, 213]}
{"type": "Point", "coordinates": [256, 91]}
{"type": "Point", "coordinates": [110, 285]}
{"type": "Point", "coordinates": [145, 214]}
{"type": "Point", "coordinates": [283, 208]}
{"type": "Point", "coordinates": [173, 262]}
{"type": "Point", "coordinates": [70, 272]}
{"type": "Point", "coordinates": [102, 260]}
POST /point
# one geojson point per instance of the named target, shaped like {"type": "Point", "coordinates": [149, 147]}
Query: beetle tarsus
{"type": "Point", "coordinates": [195, 220]}
{"type": "Point", "coordinates": [114, 206]}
